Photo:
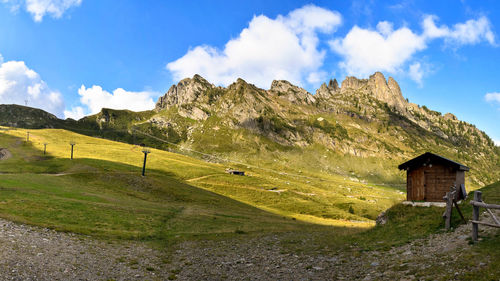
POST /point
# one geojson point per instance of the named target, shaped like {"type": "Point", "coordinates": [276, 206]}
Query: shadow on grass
{"type": "Point", "coordinates": [109, 199]}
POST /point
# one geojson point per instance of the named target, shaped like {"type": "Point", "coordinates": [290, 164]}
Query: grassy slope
{"type": "Point", "coordinates": [101, 192]}
{"type": "Point", "coordinates": [110, 199]}
{"type": "Point", "coordinates": [101, 197]}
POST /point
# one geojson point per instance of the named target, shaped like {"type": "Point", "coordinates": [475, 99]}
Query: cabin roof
{"type": "Point", "coordinates": [429, 157]}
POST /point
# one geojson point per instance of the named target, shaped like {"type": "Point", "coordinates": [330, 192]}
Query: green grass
{"type": "Point", "coordinates": [314, 197]}
{"type": "Point", "coordinates": [101, 192]}
{"type": "Point", "coordinates": [404, 224]}
{"type": "Point", "coordinates": [111, 200]}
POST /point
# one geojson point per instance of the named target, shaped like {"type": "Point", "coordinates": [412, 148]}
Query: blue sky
{"type": "Point", "coordinates": [73, 57]}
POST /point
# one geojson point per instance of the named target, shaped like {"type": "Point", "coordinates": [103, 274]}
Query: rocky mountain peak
{"type": "Point", "coordinates": [239, 83]}
{"type": "Point", "coordinates": [333, 85]}
{"type": "Point", "coordinates": [327, 91]}
{"type": "Point", "coordinates": [387, 91]}
{"type": "Point", "coordinates": [185, 92]}
{"type": "Point", "coordinates": [291, 92]}
{"type": "Point", "coordinates": [450, 116]}
{"type": "Point", "coordinates": [351, 82]}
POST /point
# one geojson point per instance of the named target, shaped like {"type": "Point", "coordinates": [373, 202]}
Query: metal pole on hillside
{"type": "Point", "coordinates": [146, 152]}
{"type": "Point", "coordinates": [45, 148]}
{"type": "Point", "coordinates": [72, 145]}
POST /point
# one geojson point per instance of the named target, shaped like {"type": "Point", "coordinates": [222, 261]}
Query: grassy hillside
{"type": "Point", "coordinates": [101, 191]}
{"type": "Point", "coordinates": [350, 133]}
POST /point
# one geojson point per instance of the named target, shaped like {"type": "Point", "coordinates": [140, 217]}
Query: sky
{"type": "Point", "coordinates": [74, 57]}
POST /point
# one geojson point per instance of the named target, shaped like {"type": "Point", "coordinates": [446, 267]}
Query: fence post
{"type": "Point", "coordinates": [449, 208]}
{"type": "Point", "coordinates": [475, 215]}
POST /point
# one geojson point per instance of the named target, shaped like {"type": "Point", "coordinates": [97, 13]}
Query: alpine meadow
{"type": "Point", "coordinates": [285, 173]}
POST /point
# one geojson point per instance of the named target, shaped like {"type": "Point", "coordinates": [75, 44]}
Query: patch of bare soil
{"type": "Point", "coordinates": [32, 253]}
{"type": "Point", "coordinates": [5, 154]}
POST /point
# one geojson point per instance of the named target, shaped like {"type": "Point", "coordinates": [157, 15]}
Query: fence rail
{"type": "Point", "coordinates": [478, 203]}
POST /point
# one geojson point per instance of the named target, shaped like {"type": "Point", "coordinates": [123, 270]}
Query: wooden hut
{"type": "Point", "coordinates": [429, 176]}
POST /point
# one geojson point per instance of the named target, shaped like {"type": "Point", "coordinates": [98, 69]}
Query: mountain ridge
{"type": "Point", "coordinates": [366, 122]}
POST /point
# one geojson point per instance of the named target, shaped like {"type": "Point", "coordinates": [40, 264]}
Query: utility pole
{"type": "Point", "coordinates": [72, 143]}
{"type": "Point", "coordinates": [146, 152]}
{"type": "Point", "coordinates": [45, 148]}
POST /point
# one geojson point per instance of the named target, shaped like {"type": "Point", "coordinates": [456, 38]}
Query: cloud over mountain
{"type": "Point", "coordinates": [95, 98]}
{"type": "Point", "coordinates": [20, 84]}
{"type": "Point", "coordinates": [365, 50]}
{"type": "Point", "coordinates": [290, 47]}
{"type": "Point", "coordinates": [282, 48]}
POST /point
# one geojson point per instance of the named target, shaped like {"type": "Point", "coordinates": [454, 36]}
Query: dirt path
{"type": "Point", "coordinates": [32, 253]}
{"type": "Point", "coordinates": [264, 259]}
{"type": "Point", "coordinates": [203, 177]}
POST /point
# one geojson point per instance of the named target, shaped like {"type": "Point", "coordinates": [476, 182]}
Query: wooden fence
{"type": "Point", "coordinates": [450, 199]}
{"type": "Point", "coordinates": [478, 203]}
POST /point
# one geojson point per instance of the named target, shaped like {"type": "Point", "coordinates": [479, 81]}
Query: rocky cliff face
{"type": "Point", "coordinates": [291, 92]}
{"type": "Point", "coordinates": [361, 117]}
{"type": "Point", "coordinates": [364, 121]}
{"type": "Point", "coordinates": [376, 86]}
{"type": "Point", "coordinates": [199, 92]}
{"type": "Point", "coordinates": [186, 91]}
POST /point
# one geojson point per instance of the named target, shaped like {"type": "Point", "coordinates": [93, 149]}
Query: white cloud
{"type": "Point", "coordinates": [95, 98]}
{"type": "Point", "coordinates": [76, 113]}
{"type": "Point", "coordinates": [18, 84]}
{"type": "Point", "coordinates": [469, 32]}
{"type": "Point", "coordinates": [268, 49]}
{"type": "Point", "coordinates": [416, 72]}
{"type": "Point", "coordinates": [40, 8]}
{"type": "Point", "coordinates": [497, 142]}
{"type": "Point", "coordinates": [492, 97]}
{"type": "Point", "coordinates": [365, 51]}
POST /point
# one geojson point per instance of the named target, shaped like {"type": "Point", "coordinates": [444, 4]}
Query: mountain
{"type": "Point", "coordinates": [13, 115]}
{"type": "Point", "coordinates": [361, 129]}
{"type": "Point", "coordinates": [367, 119]}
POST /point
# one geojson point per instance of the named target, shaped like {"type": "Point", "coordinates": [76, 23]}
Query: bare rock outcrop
{"type": "Point", "coordinates": [328, 91]}
{"type": "Point", "coordinates": [291, 92]}
{"type": "Point", "coordinates": [387, 91]}
{"type": "Point", "coordinates": [186, 91]}
{"type": "Point", "coordinates": [352, 83]}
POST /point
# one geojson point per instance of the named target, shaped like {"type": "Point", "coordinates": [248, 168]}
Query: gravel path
{"type": "Point", "coordinates": [264, 259]}
{"type": "Point", "coordinates": [32, 253]}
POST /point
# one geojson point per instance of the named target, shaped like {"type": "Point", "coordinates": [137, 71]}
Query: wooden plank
{"type": "Point", "coordinates": [485, 223]}
{"type": "Point", "coordinates": [484, 205]}
{"type": "Point", "coordinates": [459, 212]}
{"type": "Point", "coordinates": [475, 215]}
{"type": "Point", "coordinates": [449, 208]}
{"type": "Point", "coordinates": [493, 216]}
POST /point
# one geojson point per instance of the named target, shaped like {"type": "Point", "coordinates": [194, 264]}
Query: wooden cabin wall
{"type": "Point", "coordinates": [415, 184]}
{"type": "Point", "coordinates": [430, 183]}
